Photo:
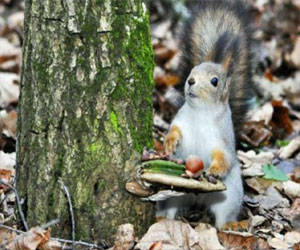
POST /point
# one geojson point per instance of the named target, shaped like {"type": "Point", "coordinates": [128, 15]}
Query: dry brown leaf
{"type": "Point", "coordinates": [295, 175]}
{"type": "Point", "coordinates": [291, 189]}
{"type": "Point", "coordinates": [35, 237]}
{"type": "Point", "coordinates": [237, 241]}
{"type": "Point", "coordinates": [296, 126]}
{"type": "Point", "coordinates": [287, 151]}
{"type": "Point", "coordinates": [16, 20]}
{"type": "Point", "coordinates": [255, 133]}
{"type": "Point", "coordinates": [5, 175]}
{"type": "Point", "coordinates": [167, 80]}
{"type": "Point", "coordinates": [9, 123]}
{"type": "Point", "coordinates": [257, 220]}
{"type": "Point", "coordinates": [292, 238]}
{"type": "Point", "coordinates": [163, 54]}
{"type": "Point", "coordinates": [278, 243]}
{"type": "Point", "coordinates": [7, 160]}
{"type": "Point", "coordinates": [173, 233]}
{"type": "Point", "coordinates": [125, 237]}
{"type": "Point", "coordinates": [293, 214]}
{"type": "Point", "coordinates": [294, 56]}
{"type": "Point", "coordinates": [263, 244]}
{"type": "Point", "coordinates": [252, 162]}
{"type": "Point", "coordinates": [281, 123]}
{"type": "Point", "coordinates": [254, 184]}
{"type": "Point", "coordinates": [291, 89]}
{"type": "Point", "coordinates": [8, 51]}
{"type": "Point", "coordinates": [263, 113]}
{"type": "Point", "coordinates": [9, 90]}
{"type": "Point", "coordinates": [6, 236]}
{"type": "Point", "coordinates": [208, 238]}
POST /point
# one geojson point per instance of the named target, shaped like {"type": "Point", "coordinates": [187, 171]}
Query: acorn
{"type": "Point", "coordinates": [193, 166]}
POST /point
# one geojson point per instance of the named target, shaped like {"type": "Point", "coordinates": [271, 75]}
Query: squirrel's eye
{"type": "Point", "coordinates": [214, 81]}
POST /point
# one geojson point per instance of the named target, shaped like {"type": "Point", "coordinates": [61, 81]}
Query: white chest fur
{"type": "Point", "coordinates": [203, 129]}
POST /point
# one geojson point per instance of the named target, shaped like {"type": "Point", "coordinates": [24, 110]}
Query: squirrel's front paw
{"type": "Point", "coordinates": [216, 170]}
{"type": "Point", "coordinates": [219, 166]}
{"type": "Point", "coordinates": [172, 140]}
{"type": "Point", "coordinates": [171, 144]}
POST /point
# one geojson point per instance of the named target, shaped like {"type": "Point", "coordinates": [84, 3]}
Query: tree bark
{"type": "Point", "coordinates": [85, 113]}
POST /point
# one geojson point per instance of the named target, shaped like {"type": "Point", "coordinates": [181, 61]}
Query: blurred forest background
{"type": "Point", "coordinates": [269, 149]}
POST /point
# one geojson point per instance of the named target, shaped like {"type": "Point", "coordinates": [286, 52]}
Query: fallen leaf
{"type": "Point", "coordinates": [271, 199]}
{"type": "Point", "coordinates": [294, 57]}
{"type": "Point", "coordinates": [173, 233]}
{"type": "Point", "coordinates": [250, 157]}
{"type": "Point", "coordinates": [254, 184]}
{"type": "Point", "coordinates": [163, 54]}
{"type": "Point", "coordinates": [295, 175]}
{"type": "Point", "coordinates": [5, 175]}
{"type": "Point", "coordinates": [16, 20]}
{"type": "Point", "coordinates": [208, 238]}
{"type": "Point", "coordinates": [30, 240]}
{"type": "Point", "coordinates": [263, 113]}
{"type": "Point", "coordinates": [257, 220]}
{"type": "Point", "coordinates": [255, 133]}
{"type": "Point", "coordinates": [233, 240]}
{"type": "Point", "coordinates": [262, 244]}
{"type": "Point", "coordinates": [125, 237]}
{"type": "Point", "coordinates": [278, 243]}
{"type": "Point", "coordinates": [7, 161]}
{"type": "Point", "coordinates": [6, 236]}
{"type": "Point", "coordinates": [291, 189]}
{"type": "Point", "coordinates": [293, 214]}
{"type": "Point", "coordinates": [292, 237]}
{"type": "Point", "coordinates": [290, 149]}
{"type": "Point", "coordinates": [8, 51]}
{"type": "Point", "coordinates": [273, 173]}
{"type": "Point", "coordinates": [252, 162]}
{"type": "Point", "coordinates": [9, 123]}
{"type": "Point", "coordinates": [281, 123]}
{"type": "Point", "coordinates": [9, 90]}
{"type": "Point", "coordinates": [291, 89]}
{"type": "Point", "coordinates": [167, 80]}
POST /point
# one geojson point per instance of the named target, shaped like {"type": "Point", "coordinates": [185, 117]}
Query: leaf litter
{"type": "Point", "coordinates": [269, 141]}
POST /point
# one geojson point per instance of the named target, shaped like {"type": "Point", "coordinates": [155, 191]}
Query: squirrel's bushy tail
{"type": "Point", "coordinates": [214, 29]}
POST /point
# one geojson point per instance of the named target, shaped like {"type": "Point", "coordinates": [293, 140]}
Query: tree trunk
{"type": "Point", "coordinates": [85, 113]}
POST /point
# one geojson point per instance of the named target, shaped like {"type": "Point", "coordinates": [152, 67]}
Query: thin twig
{"type": "Point", "coordinates": [79, 243]}
{"type": "Point", "coordinates": [50, 223]}
{"type": "Point", "coordinates": [58, 239]}
{"type": "Point", "coordinates": [70, 209]}
{"type": "Point", "coordinates": [18, 203]}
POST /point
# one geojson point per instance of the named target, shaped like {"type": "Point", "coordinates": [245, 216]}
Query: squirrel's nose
{"type": "Point", "coordinates": [191, 81]}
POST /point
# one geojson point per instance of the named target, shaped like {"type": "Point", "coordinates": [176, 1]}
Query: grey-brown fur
{"type": "Point", "coordinates": [215, 29]}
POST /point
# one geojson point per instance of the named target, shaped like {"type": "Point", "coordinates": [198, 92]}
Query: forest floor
{"type": "Point", "coordinates": [269, 151]}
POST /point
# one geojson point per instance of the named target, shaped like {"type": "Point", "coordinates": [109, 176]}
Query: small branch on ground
{"type": "Point", "coordinates": [91, 246]}
{"type": "Point", "coordinates": [18, 203]}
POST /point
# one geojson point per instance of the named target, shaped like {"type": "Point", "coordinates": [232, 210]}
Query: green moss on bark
{"type": "Point", "coordinates": [85, 110]}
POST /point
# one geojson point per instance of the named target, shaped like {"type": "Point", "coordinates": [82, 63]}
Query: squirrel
{"type": "Point", "coordinates": [216, 63]}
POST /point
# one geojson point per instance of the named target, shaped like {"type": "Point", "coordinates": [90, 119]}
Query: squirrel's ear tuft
{"type": "Point", "coordinates": [225, 93]}
{"type": "Point", "coordinates": [226, 62]}
{"type": "Point", "coordinates": [209, 56]}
